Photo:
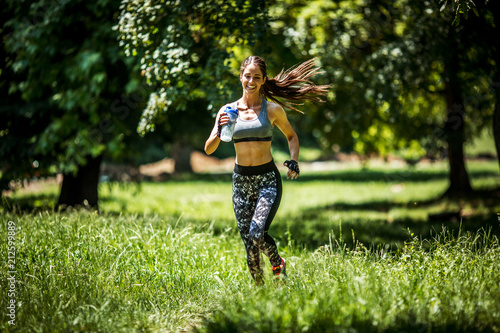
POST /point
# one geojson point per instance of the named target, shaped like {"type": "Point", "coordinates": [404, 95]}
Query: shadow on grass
{"type": "Point", "coordinates": [408, 175]}
{"type": "Point", "coordinates": [378, 233]}
{"type": "Point", "coordinates": [29, 204]}
{"type": "Point", "coordinates": [486, 198]}
{"type": "Point", "coordinates": [368, 223]}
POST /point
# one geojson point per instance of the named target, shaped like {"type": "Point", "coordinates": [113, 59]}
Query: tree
{"type": "Point", "coordinates": [70, 97]}
{"type": "Point", "coordinates": [463, 54]}
{"type": "Point", "coordinates": [185, 49]}
{"type": "Point", "coordinates": [488, 13]}
{"type": "Point", "coordinates": [399, 71]}
{"type": "Point", "coordinates": [494, 9]}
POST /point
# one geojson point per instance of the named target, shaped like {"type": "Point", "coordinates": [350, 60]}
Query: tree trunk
{"type": "Point", "coordinates": [495, 7]}
{"type": "Point", "coordinates": [496, 121]}
{"type": "Point", "coordinates": [459, 179]}
{"type": "Point", "coordinates": [181, 153]}
{"type": "Point", "coordinates": [81, 190]}
{"type": "Point", "coordinates": [454, 129]}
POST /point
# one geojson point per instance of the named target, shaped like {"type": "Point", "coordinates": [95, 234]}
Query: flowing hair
{"type": "Point", "coordinates": [292, 84]}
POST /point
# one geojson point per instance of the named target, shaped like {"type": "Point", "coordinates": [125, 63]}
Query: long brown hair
{"type": "Point", "coordinates": [292, 84]}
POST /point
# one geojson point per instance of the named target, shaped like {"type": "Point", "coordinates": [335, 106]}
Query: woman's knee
{"type": "Point", "coordinates": [256, 235]}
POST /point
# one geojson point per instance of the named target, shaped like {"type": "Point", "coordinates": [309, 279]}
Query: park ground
{"type": "Point", "coordinates": [370, 248]}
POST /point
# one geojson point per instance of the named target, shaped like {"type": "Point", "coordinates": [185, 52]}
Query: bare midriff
{"type": "Point", "coordinates": [253, 153]}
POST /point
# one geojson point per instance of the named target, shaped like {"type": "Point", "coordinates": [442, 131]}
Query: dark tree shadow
{"type": "Point", "coordinates": [409, 175]}
{"type": "Point", "coordinates": [312, 228]}
{"type": "Point", "coordinates": [29, 204]}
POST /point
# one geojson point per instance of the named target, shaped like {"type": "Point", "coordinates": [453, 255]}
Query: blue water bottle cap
{"type": "Point", "coordinates": [231, 110]}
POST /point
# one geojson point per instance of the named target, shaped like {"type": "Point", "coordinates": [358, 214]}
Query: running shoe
{"type": "Point", "coordinates": [280, 271]}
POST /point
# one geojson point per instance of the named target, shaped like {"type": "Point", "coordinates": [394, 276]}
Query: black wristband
{"type": "Point", "coordinates": [292, 165]}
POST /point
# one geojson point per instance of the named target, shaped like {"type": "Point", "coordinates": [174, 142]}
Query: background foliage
{"type": "Point", "coordinates": [185, 49]}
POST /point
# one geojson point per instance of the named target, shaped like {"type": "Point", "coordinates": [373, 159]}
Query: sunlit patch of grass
{"type": "Point", "coordinates": [82, 271]}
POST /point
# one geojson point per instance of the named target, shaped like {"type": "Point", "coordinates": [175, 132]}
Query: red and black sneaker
{"type": "Point", "coordinates": [280, 271]}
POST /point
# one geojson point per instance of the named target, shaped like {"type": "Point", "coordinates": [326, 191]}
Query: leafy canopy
{"type": "Point", "coordinates": [386, 63]}
{"type": "Point", "coordinates": [185, 48]}
{"type": "Point", "coordinates": [68, 82]}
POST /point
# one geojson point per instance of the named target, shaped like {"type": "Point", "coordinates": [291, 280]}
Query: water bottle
{"type": "Point", "coordinates": [226, 133]}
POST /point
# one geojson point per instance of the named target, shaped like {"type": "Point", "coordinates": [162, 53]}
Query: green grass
{"type": "Point", "coordinates": [378, 203]}
{"type": "Point", "coordinates": [482, 145]}
{"type": "Point", "coordinates": [439, 289]}
{"type": "Point", "coordinates": [84, 272]}
{"type": "Point", "coordinates": [362, 257]}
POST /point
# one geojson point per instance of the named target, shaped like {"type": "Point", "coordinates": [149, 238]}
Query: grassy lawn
{"type": "Point", "coordinates": [363, 256]}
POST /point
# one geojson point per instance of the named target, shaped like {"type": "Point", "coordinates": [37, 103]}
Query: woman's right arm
{"type": "Point", "coordinates": [213, 140]}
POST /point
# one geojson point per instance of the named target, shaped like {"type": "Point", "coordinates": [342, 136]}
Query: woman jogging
{"type": "Point", "coordinates": [256, 180]}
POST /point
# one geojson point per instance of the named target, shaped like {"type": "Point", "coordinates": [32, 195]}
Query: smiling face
{"type": "Point", "coordinates": [252, 79]}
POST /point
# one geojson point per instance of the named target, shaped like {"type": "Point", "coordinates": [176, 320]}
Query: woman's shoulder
{"type": "Point", "coordinates": [274, 108]}
{"type": "Point", "coordinates": [274, 111]}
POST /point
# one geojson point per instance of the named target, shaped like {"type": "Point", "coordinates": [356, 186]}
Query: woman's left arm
{"type": "Point", "coordinates": [278, 117]}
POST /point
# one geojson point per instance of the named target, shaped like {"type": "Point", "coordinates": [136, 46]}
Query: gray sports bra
{"type": "Point", "coordinates": [258, 129]}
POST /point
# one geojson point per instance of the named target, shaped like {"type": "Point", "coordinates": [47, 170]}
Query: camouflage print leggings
{"type": "Point", "coordinates": [256, 198]}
